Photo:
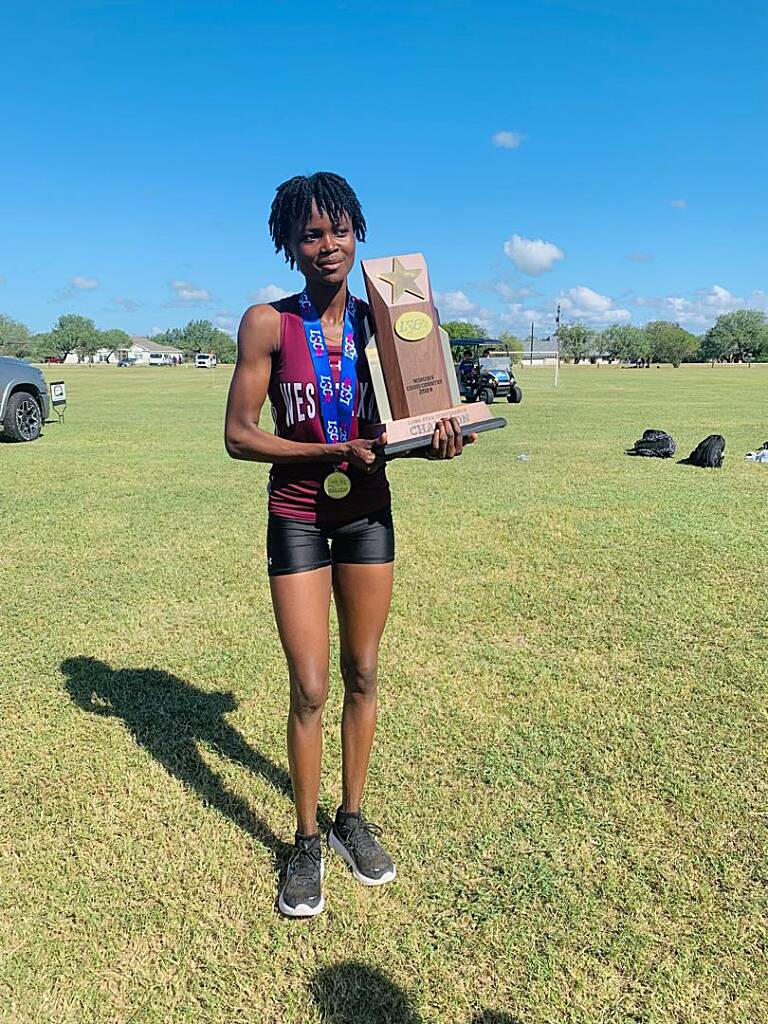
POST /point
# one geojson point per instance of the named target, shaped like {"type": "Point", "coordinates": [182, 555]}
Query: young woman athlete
{"type": "Point", "coordinates": [330, 523]}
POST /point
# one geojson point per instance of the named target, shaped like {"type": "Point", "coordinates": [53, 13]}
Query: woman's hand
{"type": "Point", "coordinates": [360, 454]}
{"type": "Point", "coordinates": [447, 440]}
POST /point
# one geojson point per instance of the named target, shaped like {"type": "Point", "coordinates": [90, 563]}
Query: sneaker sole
{"type": "Point", "coordinates": [337, 846]}
{"type": "Point", "coordinates": [303, 909]}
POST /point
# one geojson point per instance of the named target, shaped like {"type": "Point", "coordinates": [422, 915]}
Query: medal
{"type": "Point", "coordinates": [337, 403]}
{"type": "Point", "coordinates": [337, 484]}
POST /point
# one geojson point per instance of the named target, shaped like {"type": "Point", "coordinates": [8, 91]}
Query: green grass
{"type": "Point", "coordinates": [571, 757]}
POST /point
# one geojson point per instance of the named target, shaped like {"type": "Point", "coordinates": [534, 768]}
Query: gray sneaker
{"type": "Point", "coordinates": [302, 894]}
{"type": "Point", "coordinates": [354, 839]}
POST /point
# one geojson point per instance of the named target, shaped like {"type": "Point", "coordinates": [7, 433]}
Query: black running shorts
{"type": "Point", "coordinates": [294, 546]}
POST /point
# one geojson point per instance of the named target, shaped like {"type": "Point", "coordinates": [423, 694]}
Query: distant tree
{"type": "Point", "coordinates": [113, 340]}
{"type": "Point", "coordinates": [173, 336]}
{"type": "Point", "coordinates": [511, 340]}
{"type": "Point", "coordinates": [737, 336]}
{"type": "Point", "coordinates": [42, 346]}
{"type": "Point", "coordinates": [670, 343]}
{"type": "Point", "coordinates": [456, 329]}
{"type": "Point", "coordinates": [73, 333]}
{"type": "Point", "coordinates": [15, 338]}
{"type": "Point", "coordinates": [576, 341]}
{"type": "Point", "coordinates": [202, 336]}
{"type": "Point", "coordinates": [224, 347]}
{"type": "Point", "coordinates": [697, 356]}
{"type": "Point", "coordinates": [89, 345]}
{"type": "Point", "coordinates": [626, 343]}
{"type": "Point", "coordinates": [199, 336]}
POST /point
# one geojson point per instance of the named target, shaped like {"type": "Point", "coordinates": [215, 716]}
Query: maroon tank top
{"type": "Point", "coordinates": [296, 491]}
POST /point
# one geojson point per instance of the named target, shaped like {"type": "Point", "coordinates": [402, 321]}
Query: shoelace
{"type": "Point", "coordinates": [305, 864]}
{"type": "Point", "coordinates": [362, 836]}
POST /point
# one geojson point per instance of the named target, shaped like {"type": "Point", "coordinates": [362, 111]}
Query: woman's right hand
{"type": "Point", "coordinates": [360, 454]}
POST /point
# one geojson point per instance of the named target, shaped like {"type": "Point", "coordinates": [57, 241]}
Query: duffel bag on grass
{"type": "Point", "coordinates": [654, 444]}
{"type": "Point", "coordinates": [708, 453]}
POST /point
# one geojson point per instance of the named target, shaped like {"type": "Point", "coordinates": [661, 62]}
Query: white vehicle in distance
{"type": "Point", "coordinates": [205, 360]}
{"type": "Point", "coordinates": [159, 359]}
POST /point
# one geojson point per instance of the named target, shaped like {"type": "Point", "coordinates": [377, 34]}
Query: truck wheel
{"type": "Point", "coordinates": [486, 395]}
{"type": "Point", "coordinates": [23, 418]}
{"type": "Point", "coordinates": [515, 395]}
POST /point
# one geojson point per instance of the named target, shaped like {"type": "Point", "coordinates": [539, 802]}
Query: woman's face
{"type": "Point", "coordinates": [324, 250]}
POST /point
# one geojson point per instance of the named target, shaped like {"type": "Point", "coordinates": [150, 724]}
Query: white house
{"type": "Point", "coordinates": [101, 355]}
{"type": "Point", "coordinates": [142, 348]}
{"type": "Point", "coordinates": [109, 355]}
{"type": "Point", "coordinates": [138, 352]}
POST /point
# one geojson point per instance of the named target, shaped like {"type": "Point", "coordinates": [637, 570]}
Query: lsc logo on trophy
{"type": "Point", "coordinates": [410, 360]}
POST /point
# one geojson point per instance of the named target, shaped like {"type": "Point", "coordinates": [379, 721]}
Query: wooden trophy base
{"type": "Point", "coordinates": [416, 431]}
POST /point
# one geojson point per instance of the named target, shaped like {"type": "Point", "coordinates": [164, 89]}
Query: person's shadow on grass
{"type": "Point", "coordinates": [353, 992]}
{"type": "Point", "coordinates": [169, 717]}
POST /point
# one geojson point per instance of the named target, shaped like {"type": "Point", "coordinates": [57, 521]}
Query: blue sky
{"type": "Point", "coordinates": [607, 155]}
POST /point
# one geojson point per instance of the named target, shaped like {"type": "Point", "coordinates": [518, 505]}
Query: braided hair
{"type": "Point", "coordinates": [293, 205]}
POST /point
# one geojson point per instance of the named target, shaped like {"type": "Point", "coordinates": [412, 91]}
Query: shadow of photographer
{"type": "Point", "coordinates": [169, 718]}
{"type": "Point", "coordinates": [352, 992]}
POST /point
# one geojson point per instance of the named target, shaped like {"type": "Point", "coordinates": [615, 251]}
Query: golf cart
{"type": "Point", "coordinates": [484, 370]}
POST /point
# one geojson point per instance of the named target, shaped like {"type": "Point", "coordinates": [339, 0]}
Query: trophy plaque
{"type": "Point", "coordinates": [409, 356]}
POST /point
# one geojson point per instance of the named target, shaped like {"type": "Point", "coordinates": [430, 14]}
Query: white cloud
{"type": "Point", "coordinates": [507, 140]}
{"type": "Point", "coordinates": [269, 293]}
{"type": "Point", "coordinates": [518, 317]}
{"type": "Point", "coordinates": [454, 303]}
{"type": "Point", "coordinates": [226, 320]}
{"type": "Point", "coordinates": [532, 255]}
{"type": "Point", "coordinates": [84, 284]}
{"type": "Point", "coordinates": [509, 294]}
{"type": "Point", "coordinates": [186, 292]}
{"type": "Point", "coordinates": [79, 283]}
{"type": "Point", "coordinates": [155, 330]}
{"type": "Point", "coordinates": [582, 303]}
{"type": "Point", "coordinates": [459, 305]}
{"type": "Point", "coordinates": [588, 299]}
{"type": "Point", "coordinates": [702, 307]}
{"type": "Point", "coordinates": [127, 305]}
{"type": "Point", "coordinates": [719, 298]}
{"type": "Point", "coordinates": [485, 318]}
{"type": "Point", "coordinates": [679, 204]}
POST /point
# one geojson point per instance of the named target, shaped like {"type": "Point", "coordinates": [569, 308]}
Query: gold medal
{"type": "Point", "coordinates": [337, 484]}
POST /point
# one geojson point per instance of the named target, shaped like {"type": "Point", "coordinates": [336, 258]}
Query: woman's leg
{"type": "Point", "coordinates": [301, 601]}
{"type": "Point", "coordinates": [362, 594]}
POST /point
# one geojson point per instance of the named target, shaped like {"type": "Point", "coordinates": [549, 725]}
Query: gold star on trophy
{"type": "Point", "coordinates": [402, 280]}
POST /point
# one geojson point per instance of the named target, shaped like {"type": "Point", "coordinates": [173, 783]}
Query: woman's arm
{"type": "Point", "coordinates": [257, 339]}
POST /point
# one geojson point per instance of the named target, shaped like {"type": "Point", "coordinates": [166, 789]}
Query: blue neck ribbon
{"type": "Point", "coordinates": [336, 409]}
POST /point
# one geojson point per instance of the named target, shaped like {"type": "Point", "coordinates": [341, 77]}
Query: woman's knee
{"type": "Point", "coordinates": [359, 676]}
{"type": "Point", "coordinates": [308, 695]}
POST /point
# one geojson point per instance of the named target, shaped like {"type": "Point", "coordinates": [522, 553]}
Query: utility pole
{"type": "Point", "coordinates": [531, 342]}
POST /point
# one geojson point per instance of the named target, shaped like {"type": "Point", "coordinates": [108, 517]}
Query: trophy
{"type": "Point", "coordinates": [409, 356]}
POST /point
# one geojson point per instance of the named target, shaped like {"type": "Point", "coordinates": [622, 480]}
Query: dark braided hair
{"type": "Point", "coordinates": [293, 205]}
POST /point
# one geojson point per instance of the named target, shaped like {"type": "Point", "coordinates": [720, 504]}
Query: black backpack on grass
{"type": "Point", "coordinates": [708, 453]}
{"type": "Point", "coordinates": [654, 444]}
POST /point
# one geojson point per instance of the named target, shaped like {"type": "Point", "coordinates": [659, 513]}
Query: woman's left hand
{"type": "Point", "coordinates": [447, 440]}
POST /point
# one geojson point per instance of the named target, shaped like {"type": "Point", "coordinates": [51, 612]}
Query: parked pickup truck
{"type": "Point", "coordinates": [23, 400]}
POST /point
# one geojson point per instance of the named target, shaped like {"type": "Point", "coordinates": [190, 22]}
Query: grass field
{"type": "Point", "coordinates": [571, 759]}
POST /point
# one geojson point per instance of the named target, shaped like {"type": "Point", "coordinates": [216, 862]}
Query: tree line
{"type": "Point", "coordinates": [78, 334]}
{"type": "Point", "coordinates": [739, 336]}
